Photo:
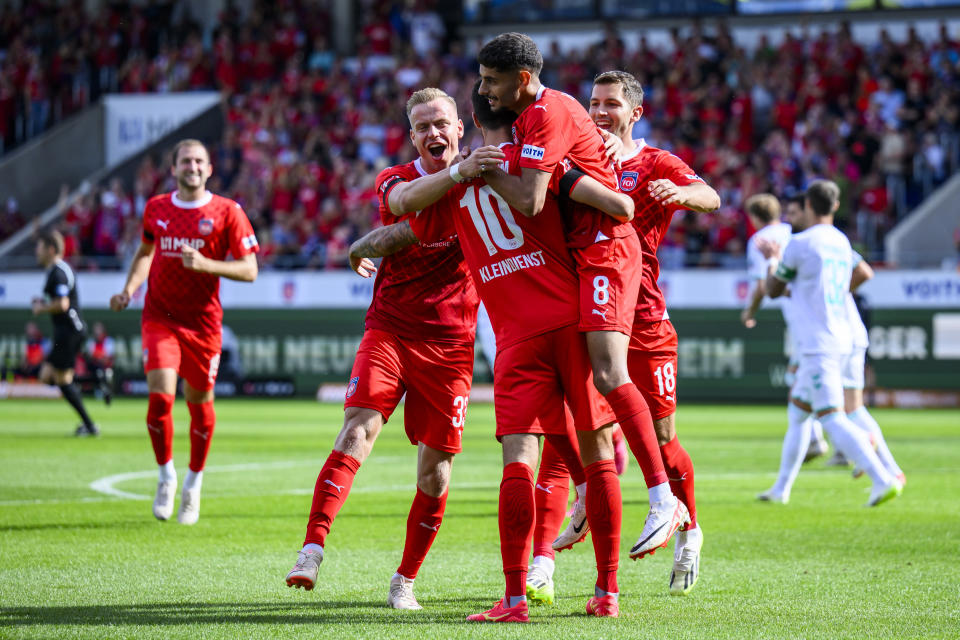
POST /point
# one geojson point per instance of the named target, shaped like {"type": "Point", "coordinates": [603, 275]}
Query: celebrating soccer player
{"type": "Point", "coordinates": [60, 301]}
{"type": "Point", "coordinates": [418, 340]}
{"type": "Point", "coordinates": [818, 264]}
{"type": "Point", "coordinates": [187, 235]}
{"type": "Point", "coordinates": [551, 128]}
{"type": "Point", "coordinates": [659, 184]}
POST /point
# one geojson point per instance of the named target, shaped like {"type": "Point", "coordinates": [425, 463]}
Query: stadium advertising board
{"type": "Point", "coordinates": [295, 350]}
{"type": "Point", "coordinates": [133, 122]}
{"type": "Point", "coordinates": [345, 290]}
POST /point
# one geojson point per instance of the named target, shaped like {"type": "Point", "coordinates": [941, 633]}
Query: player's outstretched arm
{"type": "Point", "coordinates": [590, 192]}
{"type": "Point", "coordinates": [243, 269]}
{"type": "Point", "coordinates": [379, 243]}
{"type": "Point", "coordinates": [861, 273]}
{"type": "Point", "coordinates": [527, 193]}
{"type": "Point", "coordinates": [418, 194]}
{"type": "Point", "coordinates": [139, 269]}
{"type": "Point", "coordinates": [698, 196]}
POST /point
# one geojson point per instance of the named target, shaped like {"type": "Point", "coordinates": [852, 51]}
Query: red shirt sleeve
{"type": "Point", "coordinates": [386, 181]}
{"type": "Point", "coordinates": [147, 235]}
{"type": "Point", "coordinates": [544, 137]}
{"type": "Point", "coordinates": [240, 236]}
{"type": "Point", "coordinates": [676, 170]}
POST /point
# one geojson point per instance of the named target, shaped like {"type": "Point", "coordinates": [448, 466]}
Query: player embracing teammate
{"type": "Point", "coordinates": [659, 184]}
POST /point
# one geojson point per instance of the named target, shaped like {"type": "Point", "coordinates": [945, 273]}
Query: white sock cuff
{"type": "Point", "coordinates": [582, 490]}
{"type": "Point", "coordinates": [660, 493]}
{"type": "Point", "coordinates": [167, 471]}
{"type": "Point", "coordinates": [545, 563]}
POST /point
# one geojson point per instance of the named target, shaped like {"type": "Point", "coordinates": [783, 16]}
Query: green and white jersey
{"type": "Point", "coordinates": [858, 330]}
{"type": "Point", "coordinates": [817, 264]}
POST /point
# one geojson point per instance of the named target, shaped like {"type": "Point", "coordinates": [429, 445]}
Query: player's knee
{"type": "Point", "coordinates": [435, 480]}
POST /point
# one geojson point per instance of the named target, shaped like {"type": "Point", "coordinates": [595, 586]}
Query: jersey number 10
{"type": "Point", "coordinates": [479, 202]}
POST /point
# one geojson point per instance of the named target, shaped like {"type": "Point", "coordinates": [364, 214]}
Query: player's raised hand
{"type": "Point", "coordinates": [120, 301]}
{"type": "Point", "coordinates": [363, 266]}
{"type": "Point", "coordinates": [665, 191]}
{"type": "Point", "coordinates": [192, 259]}
{"type": "Point", "coordinates": [612, 147]}
{"type": "Point", "coordinates": [480, 160]}
{"type": "Point", "coordinates": [769, 248]}
{"type": "Point", "coordinates": [746, 317]}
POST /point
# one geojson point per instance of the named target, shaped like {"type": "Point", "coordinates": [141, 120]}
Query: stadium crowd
{"type": "Point", "coordinates": [307, 130]}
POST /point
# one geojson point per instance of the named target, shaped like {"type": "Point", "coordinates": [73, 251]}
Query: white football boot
{"type": "Point", "coordinates": [577, 528]}
{"type": "Point", "coordinates": [163, 502]}
{"type": "Point", "coordinates": [189, 511]}
{"type": "Point", "coordinates": [686, 562]}
{"type": "Point", "coordinates": [401, 594]}
{"type": "Point", "coordinates": [662, 522]}
{"type": "Point", "coordinates": [304, 572]}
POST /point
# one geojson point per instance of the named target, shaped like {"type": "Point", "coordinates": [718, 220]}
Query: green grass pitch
{"type": "Point", "coordinates": [80, 563]}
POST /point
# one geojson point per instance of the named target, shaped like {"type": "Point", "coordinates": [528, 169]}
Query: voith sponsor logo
{"type": "Point", "coordinates": [532, 152]}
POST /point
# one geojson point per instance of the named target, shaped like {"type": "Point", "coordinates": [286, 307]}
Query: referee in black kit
{"type": "Point", "coordinates": [69, 332]}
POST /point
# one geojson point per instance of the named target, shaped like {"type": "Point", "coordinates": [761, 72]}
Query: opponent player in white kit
{"type": "Point", "coordinates": [818, 264]}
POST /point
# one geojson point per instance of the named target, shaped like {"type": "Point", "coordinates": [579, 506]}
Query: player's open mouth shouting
{"type": "Point", "coordinates": [437, 149]}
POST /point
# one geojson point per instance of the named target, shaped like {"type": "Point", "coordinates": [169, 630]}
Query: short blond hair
{"type": "Point", "coordinates": [423, 96]}
{"type": "Point", "coordinates": [765, 207]}
{"type": "Point", "coordinates": [187, 142]}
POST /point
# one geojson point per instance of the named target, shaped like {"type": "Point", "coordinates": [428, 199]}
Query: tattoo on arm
{"type": "Point", "coordinates": [384, 241]}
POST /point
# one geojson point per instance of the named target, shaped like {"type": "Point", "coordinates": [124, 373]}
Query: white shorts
{"type": "Point", "coordinates": [819, 381]}
{"type": "Point", "coordinates": [853, 366]}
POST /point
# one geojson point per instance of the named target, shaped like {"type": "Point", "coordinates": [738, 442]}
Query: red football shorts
{"type": "Point", "coordinates": [533, 378]}
{"type": "Point", "coordinates": [652, 362]}
{"type": "Point", "coordinates": [195, 356]}
{"type": "Point", "coordinates": [609, 272]}
{"type": "Point", "coordinates": [436, 377]}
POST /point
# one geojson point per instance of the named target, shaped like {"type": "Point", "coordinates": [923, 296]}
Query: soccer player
{"type": "Point", "coordinates": [60, 301]}
{"type": "Point", "coordinates": [853, 370]}
{"type": "Point", "coordinates": [187, 235]}
{"type": "Point", "coordinates": [818, 263]}
{"type": "Point", "coordinates": [552, 128]}
{"type": "Point", "coordinates": [418, 340]}
{"type": "Point", "coordinates": [800, 439]}
{"type": "Point", "coordinates": [763, 209]}
{"type": "Point", "coordinates": [659, 184]}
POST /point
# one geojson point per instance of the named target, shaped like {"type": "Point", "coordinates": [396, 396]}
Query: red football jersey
{"type": "Point", "coordinates": [557, 127]}
{"type": "Point", "coordinates": [651, 218]}
{"type": "Point", "coordinates": [423, 291]}
{"type": "Point", "coordinates": [521, 266]}
{"type": "Point", "coordinates": [214, 226]}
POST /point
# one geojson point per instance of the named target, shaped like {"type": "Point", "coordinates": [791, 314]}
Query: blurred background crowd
{"type": "Point", "coordinates": [307, 129]}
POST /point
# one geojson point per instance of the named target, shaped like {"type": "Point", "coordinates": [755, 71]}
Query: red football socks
{"type": "Point", "coordinates": [551, 493]}
{"type": "Point", "coordinates": [604, 513]}
{"type": "Point", "coordinates": [329, 494]}
{"type": "Point", "coordinates": [423, 523]}
{"type": "Point", "coordinates": [202, 421]}
{"type": "Point", "coordinates": [679, 469]}
{"type": "Point", "coordinates": [516, 516]}
{"type": "Point", "coordinates": [568, 451]}
{"type": "Point", "coordinates": [633, 414]}
{"type": "Point", "coordinates": [160, 426]}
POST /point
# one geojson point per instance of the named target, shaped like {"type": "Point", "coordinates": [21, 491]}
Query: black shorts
{"type": "Point", "coordinates": [66, 345]}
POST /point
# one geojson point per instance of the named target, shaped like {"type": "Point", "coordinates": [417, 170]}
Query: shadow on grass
{"type": "Point", "coordinates": [191, 613]}
{"type": "Point", "coordinates": [112, 524]}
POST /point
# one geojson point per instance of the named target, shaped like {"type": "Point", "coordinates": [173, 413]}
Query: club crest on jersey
{"type": "Point", "coordinates": [352, 387]}
{"type": "Point", "coordinates": [205, 226]}
{"type": "Point", "coordinates": [628, 181]}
